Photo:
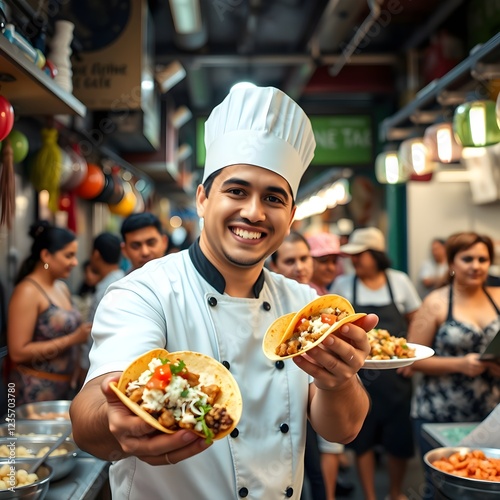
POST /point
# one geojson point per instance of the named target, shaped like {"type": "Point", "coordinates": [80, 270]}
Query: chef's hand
{"type": "Point", "coordinates": [137, 438]}
{"type": "Point", "coordinates": [340, 355]}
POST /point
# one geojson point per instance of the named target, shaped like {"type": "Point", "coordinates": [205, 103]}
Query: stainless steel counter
{"type": "Point", "coordinates": [449, 434]}
{"type": "Point", "coordinates": [85, 481]}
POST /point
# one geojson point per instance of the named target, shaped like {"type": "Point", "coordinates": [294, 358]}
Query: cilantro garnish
{"type": "Point", "coordinates": [178, 367]}
{"type": "Point", "coordinates": [184, 393]}
{"type": "Point", "coordinates": [204, 427]}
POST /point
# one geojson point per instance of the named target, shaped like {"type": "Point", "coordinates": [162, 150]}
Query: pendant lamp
{"type": "Point", "coordinates": [389, 170]}
{"type": "Point", "coordinates": [414, 156]}
{"type": "Point", "coordinates": [475, 124]}
{"type": "Point", "coordinates": [441, 144]}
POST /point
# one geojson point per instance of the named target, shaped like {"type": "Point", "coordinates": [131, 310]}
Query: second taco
{"type": "Point", "coordinates": [294, 334]}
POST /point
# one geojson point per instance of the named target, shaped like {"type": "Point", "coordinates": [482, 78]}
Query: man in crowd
{"type": "Point", "coordinates": [143, 239]}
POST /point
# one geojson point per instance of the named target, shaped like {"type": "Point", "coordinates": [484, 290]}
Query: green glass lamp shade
{"type": "Point", "coordinates": [475, 124]}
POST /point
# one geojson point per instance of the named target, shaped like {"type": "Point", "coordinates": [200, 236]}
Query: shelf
{"type": "Point", "coordinates": [33, 92]}
{"type": "Point", "coordinates": [448, 90]}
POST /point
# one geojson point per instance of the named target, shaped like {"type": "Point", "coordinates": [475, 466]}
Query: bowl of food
{"type": "Point", "coordinates": [16, 483]}
{"type": "Point", "coordinates": [62, 460]}
{"type": "Point", "coordinates": [35, 428]}
{"type": "Point", "coordinates": [462, 472]}
{"type": "Point", "coordinates": [44, 410]}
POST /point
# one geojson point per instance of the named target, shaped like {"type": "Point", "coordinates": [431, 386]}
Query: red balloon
{"type": "Point", "coordinates": [6, 117]}
{"type": "Point", "coordinates": [93, 184]}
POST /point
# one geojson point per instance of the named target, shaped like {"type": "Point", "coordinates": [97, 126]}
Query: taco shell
{"type": "Point", "coordinates": [229, 397]}
{"type": "Point", "coordinates": [282, 329]}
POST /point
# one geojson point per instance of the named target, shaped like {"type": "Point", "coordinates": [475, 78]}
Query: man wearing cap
{"type": "Point", "coordinates": [389, 293]}
{"type": "Point", "coordinates": [217, 298]}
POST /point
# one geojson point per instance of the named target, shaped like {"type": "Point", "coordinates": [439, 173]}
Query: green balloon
{"type": "Point", "coordinates": [19, 144]}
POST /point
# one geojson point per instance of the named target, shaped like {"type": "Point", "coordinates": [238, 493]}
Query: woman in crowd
{"type": "Point", "coordinates": [390, 294]}
{"type": "Point", "coordinates": [43, 326]}
{"type": "Point", "coordinates": [457, 321]}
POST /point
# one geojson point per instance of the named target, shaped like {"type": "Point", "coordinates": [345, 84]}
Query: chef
{"type": "Point", "coordinates": [217, 298]}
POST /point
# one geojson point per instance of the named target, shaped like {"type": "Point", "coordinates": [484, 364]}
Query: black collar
{"type": "Point", "coordinates": [212, 275]}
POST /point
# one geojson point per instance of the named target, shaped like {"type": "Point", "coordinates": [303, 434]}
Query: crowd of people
{"type": "Point", "coordinates": [247, 268]}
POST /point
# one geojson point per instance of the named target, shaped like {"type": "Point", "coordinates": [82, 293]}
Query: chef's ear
{"type": "Point", "coordinates": [201, 199]}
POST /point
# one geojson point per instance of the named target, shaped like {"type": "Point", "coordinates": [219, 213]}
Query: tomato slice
{"type": "Point", "coordinates": [161, 378]}
{"type": "Point", "coordinates": [329, 319]}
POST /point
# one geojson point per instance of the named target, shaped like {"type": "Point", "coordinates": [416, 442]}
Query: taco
{"type": "Point", "coordinates": [181, 390]}
{"type": "Point", "coordinates": [295, 333]}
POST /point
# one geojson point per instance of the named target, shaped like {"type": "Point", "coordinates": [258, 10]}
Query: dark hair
{"type": "Point", "coordinates": [45, 237]}
{"type": "Point", "coordinates": [109, 246]}
{"type": "Point", "coordinates": [138, 221]}
{"type": "Point", "coordinates": [459, 242]}
{"type": "Point", "coordinates": [207, 185]}
{"type": "Point", "coordinates": [293, 237]}
{"type": "Point", "coordinates": [381, 259]}
{"type": "Point", "coordinates": [439, 240]}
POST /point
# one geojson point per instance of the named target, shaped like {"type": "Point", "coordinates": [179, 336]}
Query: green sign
{"type": "Point", "coordinates": [340, 140]}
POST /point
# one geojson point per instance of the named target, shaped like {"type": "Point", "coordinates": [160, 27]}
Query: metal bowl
{"type": "Point", "coordinates": [452, 486]}
{"type": "Point", "coordinates": [44, 410]}
{"type": "Point", "coordinates": [35, 491]}
{"type": "Point", "coordinates": [61, 465]}
{"type": "Point", "coordinates": [35, 428]}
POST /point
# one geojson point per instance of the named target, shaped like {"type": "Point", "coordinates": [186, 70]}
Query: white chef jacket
{"type": "Point", "coordinates": [177, 302]}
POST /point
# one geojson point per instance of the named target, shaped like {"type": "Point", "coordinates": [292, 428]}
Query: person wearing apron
{"type": "Point", "coordinates": [388, 422]}
{"type": "Point", "coordinates": [218, 299]}
{"type": "Point", "coordinates": [458, 321]}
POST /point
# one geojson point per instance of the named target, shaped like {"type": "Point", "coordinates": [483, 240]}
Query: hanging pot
{"type": "Point", "coordinates": [118, 191]}
{"type": "Point", "coordinates": [73, 169]}
{"type": "Point", "coordinates": [93, 184]}
{"type": "Point", "coordinates": [108, 190]}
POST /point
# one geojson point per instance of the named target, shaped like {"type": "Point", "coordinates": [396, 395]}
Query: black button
{"type": "Point", "coordinates": [235, 433]}
{"type": "Point", "coordinates": [243, 492]}
{"type": "Point", "coordinates": [266, 306]}
{"type": "Point", "coordinates": [212, 301]}
{"type": "Point", "coordinates": [226, 364]}
{"type": "Point", "coordinates": [284, 428]}
{"type": "Point", "coordinates": [279, 364]}
{"type": "Point", "coordinates": [289, 492]}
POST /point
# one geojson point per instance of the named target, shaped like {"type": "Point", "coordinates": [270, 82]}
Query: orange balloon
{"type": "Point", "coordinates": [93, 183]}
{"type": "Point", "coordinates": [124, 207]}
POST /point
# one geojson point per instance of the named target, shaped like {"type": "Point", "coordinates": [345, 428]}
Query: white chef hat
{"type": "Point", "coordinates": [260, 126]}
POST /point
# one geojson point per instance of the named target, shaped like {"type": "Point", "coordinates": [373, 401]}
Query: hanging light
{"type": "Point", "coordinates": [475, 124]}
{"type": "Point", "coordinates": [441, 144]}
{"type": "Point", "coordinates": [389, 170]}
{"type": "Point", "coordinates": [414, 156]}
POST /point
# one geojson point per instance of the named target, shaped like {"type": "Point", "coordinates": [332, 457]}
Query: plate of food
{"type": "Point", "coordinates": [296, 333]}
{"type": "Point", "coordinates": [185, 389]}
{"type": "Point", "coordinates": [389, 352]}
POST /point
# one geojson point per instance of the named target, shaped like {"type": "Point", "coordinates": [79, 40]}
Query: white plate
{"type": "Point", "coordinates": [421, 352]}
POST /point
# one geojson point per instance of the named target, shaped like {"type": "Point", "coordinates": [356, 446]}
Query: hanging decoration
{"type": "Point", "coordinates": [20, 145]}
{"type": "Point", "coordinates": [441, 144]}
{"type": "Point", "coordinates": [475, 124]}
{"type": "Point", "coordinates": [6, 117]}
{"type": "Point", "coordinates": [73, 168]}
{"type": "Point", "coordinates": [389, 170]}
{"type": "Point", "coordinates": [46, 168]}
{"type": "Point", "coordinates": [414, 157]}
{"type": "Point", "coordinates": [126, 206]}
{"type": "Point", "coordinates": [67, 203]}
{"type": "Point", "coordinates": [7, 185]}
{"type": "Point", "coordinates": [93, 183]}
